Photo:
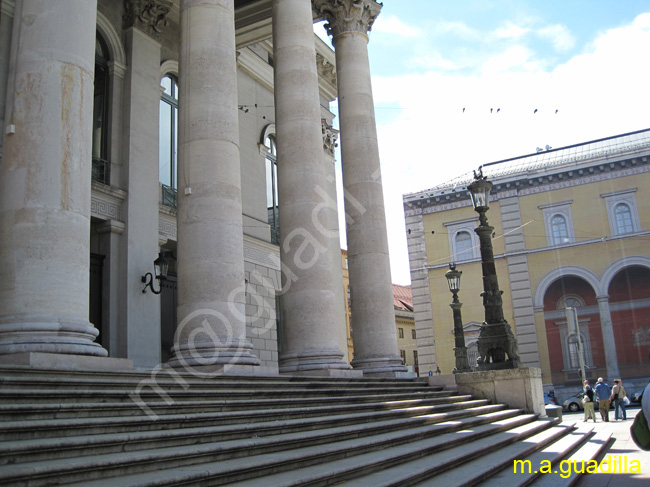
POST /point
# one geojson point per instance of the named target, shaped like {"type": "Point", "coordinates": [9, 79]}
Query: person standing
{"type": "Point", "coordinates": [603, 393]}
{"type": "Point", "coordinates": [588, 403]}
{"type": "Point", "coordinates": [618, 399]}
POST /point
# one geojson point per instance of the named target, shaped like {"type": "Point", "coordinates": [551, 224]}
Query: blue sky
{"type": "Point", "coordinates": [583, 65]}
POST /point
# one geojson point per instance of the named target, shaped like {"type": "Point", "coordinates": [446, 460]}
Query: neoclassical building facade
{"type": "Point", "coordinates": [199, 132]}
{"type": "Point", "coordinates": [570, 230]}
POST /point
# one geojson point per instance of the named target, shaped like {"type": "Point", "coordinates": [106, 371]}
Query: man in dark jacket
{"type": "Point", "coordinates": [602, 394]}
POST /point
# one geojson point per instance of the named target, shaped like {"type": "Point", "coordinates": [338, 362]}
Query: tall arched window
{"type": "Point", "coordinates": [463, 246]}
{"type": "Point", "coordinates": [272, 188]}
{"type": "Point", "coordinates": [559, 229]}
{"type": "Point", "coordinates": [100, 164]}
{"type": "Point", "coordinates": [168, 139]}
{"type": "Point", "coordinates": [623, 216]}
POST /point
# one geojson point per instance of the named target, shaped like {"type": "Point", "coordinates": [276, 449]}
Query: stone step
{"type": "Point", "coordinates": [592, 450]}
{"type": "Point", "coordinates": [60, 428]}
{"type": "Point", "coordinates": [488, 463]}
{"type": "Point", "coordinates": [366, 454]}
{"type": "Point", "coordinates": [154, 408]}
{"type": "Point", "coordinates": [40, 396]}
{"type": "Point", "coordinates": [20, 451]}
{"type": "Point", "coordinates": [181, 382]}
{"type": "Point", "coordinates": [247, 458]}
{"type": "Point", "coordinates": [526, 472]}
{"type": "Point", "coordinates": [424, 469]}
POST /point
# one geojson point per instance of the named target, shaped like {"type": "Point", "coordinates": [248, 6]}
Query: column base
{"type": "Point", "coordinates": [57, 361]}
{"type": "Point", "coordinates": [312, 361]}
{"type": "Point", "coordinates": [382, 367]}
{"type": "Point", "coordinates": [211, 358]}
{"type": "Point", "coordinates": [51, 337]}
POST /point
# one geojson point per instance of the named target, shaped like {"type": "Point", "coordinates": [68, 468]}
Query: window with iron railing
{"type": "Point", "coordinates": [101, 171]}
{"type": "Point", "coordinates": [169, 197]}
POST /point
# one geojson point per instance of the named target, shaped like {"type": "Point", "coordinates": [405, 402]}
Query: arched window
{"type": "Point", "coordinates": [559, 230]}
{"type": "Point", "coordinates": [272, 188]}
{"type": "Point", "coordinates": [463, 244]}
{"type": "Point", "coordinates": [168, 140]}
{"type": "Point", "coordinates": [100, 164]}
{"type": "Point", "coordinates": [623, 216]}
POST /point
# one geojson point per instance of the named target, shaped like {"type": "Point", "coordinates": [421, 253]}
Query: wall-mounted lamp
{"type": "Point", "coordinates": [160, 268]}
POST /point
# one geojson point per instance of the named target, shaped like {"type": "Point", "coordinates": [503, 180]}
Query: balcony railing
{"type": "Point", "coordinates": [101, 171]}
{"type": "Point", "coordinates": [169, 196]}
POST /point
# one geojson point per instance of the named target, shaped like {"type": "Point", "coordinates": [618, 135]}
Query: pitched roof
{"type": "Point", "coordinates": [403, 297]}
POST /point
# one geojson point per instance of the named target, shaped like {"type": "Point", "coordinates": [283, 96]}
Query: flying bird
{"type": "Point", "coordinates": [535, 111]}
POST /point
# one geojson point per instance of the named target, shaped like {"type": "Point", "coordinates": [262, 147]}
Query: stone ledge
{"type": "Point", "coordinates": [56, 361]}
{"type": "Point", "coordinates": [518, 388]}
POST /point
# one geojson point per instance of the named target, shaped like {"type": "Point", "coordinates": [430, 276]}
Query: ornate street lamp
{"type": "Point", "coordinates": [495, 340]}
{"type": "Point", "coordinates": [460, 350]}
{"type": "Point", "coordinates": [160, 268]}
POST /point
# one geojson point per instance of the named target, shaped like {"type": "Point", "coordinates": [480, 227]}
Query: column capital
{"type": "Point", "coordinates": [347, 16]}
{"type": "Point", "coordinates": [150, 16]}
{"type": "Point", "coordinates": [330, 137]}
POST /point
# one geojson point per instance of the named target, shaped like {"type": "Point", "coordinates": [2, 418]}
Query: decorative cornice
{"type": "Point", "coordinates": [347, 16]}
{"type": "Point", "coordinates": [330, 136]}
{"type": "Point", "coordinates": [326, 69]}
{"type": "Point", "coordinates": [150, 16]}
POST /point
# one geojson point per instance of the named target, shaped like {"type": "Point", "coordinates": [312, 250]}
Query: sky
{"type": "Point", "coordinates": [461, 83]}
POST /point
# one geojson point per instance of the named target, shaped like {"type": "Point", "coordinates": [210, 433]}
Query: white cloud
{"type": "Point", "coordinates": [456, 28]}
{"type": "Point", "coordinates": [511, 31]}
{"type": "Point", "coordinates": [559, 35]}
{"type": "Point", "coordinates": [392, 25]}
{"type": "Point", "coordinates": [599, 93]}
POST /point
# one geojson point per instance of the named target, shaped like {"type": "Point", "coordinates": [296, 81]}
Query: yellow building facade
{"type": "Point", "coordinates": [570, 230]}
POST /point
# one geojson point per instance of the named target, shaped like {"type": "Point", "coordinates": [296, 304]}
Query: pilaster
{"type": "Point", "coordinates": [609, 342]}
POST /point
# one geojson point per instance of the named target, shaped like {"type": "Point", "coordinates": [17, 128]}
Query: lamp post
{"type": "Point", "coordinates": [495, 339]}
{"type": "Point", "coordinates": [460, 350]}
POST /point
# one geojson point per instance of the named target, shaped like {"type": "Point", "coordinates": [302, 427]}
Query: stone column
{"type": "Point", "coordinates": [45, 181]}
{"type": "Point", "coordinates": [309, 294]}
{"type": "Point", "coordinates": [373, 314]}
{"type": "Point", "coordinates": [609, 342]}
{"type": "Point", "coordinates": [211, 293]}
{"type": "Point", "coordinates": [329, 218]}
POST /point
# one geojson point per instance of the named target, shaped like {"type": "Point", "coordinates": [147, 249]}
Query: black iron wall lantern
{"type": "Point", "coordinates": [160, 268]}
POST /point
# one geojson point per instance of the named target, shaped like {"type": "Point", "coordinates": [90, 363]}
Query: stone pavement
{"type": "Point", "coordinates": [622, 449]}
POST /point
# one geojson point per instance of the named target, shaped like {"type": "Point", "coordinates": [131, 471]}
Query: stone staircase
{"type": "Point", "coordinates": [127, 429]}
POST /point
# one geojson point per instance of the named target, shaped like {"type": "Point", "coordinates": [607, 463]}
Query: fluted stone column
{"type": "Point", "coordinates": [309, 302]}
{"type": "Point", "coordinates": [45, 181]}
{"type": "Point", "coordinates": [211, 294]}
{"type": "Point", "coordinates": [373, 315]}
{"type": "Point", "coordinates": [609, 342]}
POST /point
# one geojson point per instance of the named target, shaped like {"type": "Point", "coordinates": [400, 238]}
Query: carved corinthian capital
{"type": "Point", "coordinates": [330, 136]}
{"type": "Point", "coordinates": [148, 15]}
{"type": "Point", "coordinates": [345, 16]}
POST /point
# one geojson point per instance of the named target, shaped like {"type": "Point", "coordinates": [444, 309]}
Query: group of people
{"type": "Point", "coordinates": [607, 397]}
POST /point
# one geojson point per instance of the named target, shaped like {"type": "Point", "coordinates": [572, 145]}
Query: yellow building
{"type": "Point", "coordinates": [404, 320]}
{"type": "Point", "coordinates": [569, 231]}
